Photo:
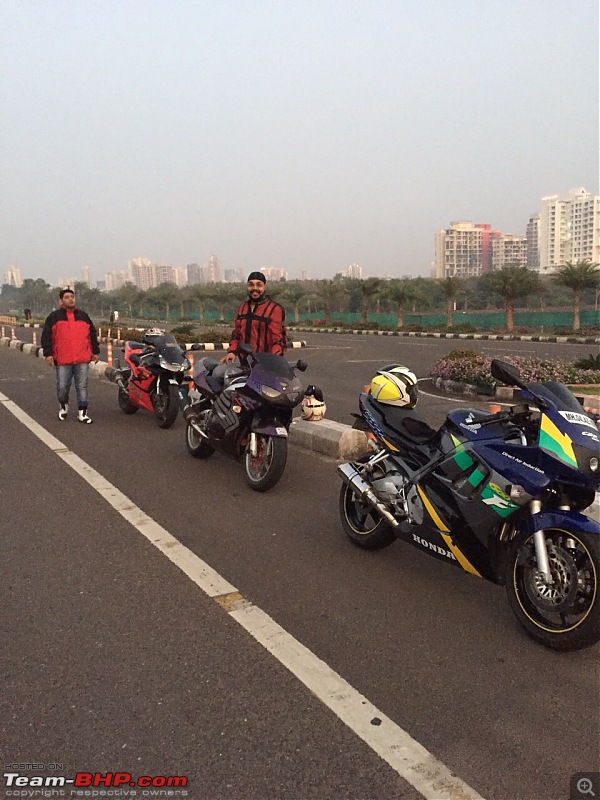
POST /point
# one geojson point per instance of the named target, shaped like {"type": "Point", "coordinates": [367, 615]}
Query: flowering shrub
{"type": "Point", "coordinates": [467, 366]}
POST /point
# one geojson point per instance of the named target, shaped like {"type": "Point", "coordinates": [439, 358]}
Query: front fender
{"type": "Point", "coordinates": [565, 520]}
{"type": "Point", "coordinates": [272, 428]}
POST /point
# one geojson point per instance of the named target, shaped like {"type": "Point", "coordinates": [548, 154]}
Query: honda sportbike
{"type": "Point", "coordinates": [247, 417]}
{"type": "Point", "coordinates": [154, 371]}
{"type": "Point", "coordinates": [499, 495]}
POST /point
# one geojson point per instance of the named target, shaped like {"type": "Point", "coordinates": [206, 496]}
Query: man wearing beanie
{"type": "Point", "coordinates": [259, 321]}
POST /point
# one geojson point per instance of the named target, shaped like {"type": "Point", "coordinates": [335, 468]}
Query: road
{"type": "Point", "coordinates": [117, 660]}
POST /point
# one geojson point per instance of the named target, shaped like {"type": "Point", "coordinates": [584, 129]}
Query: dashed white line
{"type": "Point", "coordinates": [395, 746]}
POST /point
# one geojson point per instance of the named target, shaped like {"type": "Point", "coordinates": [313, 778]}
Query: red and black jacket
{"type": "Point", "coordinates": [69, 335]}
{"type": "Point", "coordinates": [261, 324]}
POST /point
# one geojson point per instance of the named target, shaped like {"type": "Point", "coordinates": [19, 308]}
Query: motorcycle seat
{"type": "Point", "coordinates": [409, 424]}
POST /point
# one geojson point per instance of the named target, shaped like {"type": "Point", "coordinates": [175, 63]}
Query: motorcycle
{"type": "Point", "coordinates": [247, 417]}
{"type": "Point", "coordinates": [498, 494]}
{"type": "Point", "coordinates": [155, 370]}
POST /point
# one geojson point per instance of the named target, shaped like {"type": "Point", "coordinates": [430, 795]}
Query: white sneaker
{"type": "Point", "coordinates": [64, 410]}
{"type": "Point", "coordinates": [83, 417]}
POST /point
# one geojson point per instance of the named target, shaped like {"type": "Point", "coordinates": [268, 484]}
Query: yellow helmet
{"type": "Point", "coordinates": [395, 385]}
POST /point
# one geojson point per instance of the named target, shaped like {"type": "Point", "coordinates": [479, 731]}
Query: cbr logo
{"type": "Point", "coordinates": [591, 435]}
{"type": "Point", "coordinates": [495, 488]}
{"type": "Point", "coordinates": [498, 501]}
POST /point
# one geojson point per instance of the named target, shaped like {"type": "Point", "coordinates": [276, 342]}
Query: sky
{"type": "Point", "coordinates": [303, 134]}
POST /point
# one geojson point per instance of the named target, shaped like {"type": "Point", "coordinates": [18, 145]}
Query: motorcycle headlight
{"type": "Point", "coordinates": [594, 464]}
{"type": "Point", "coordinates": [186, 364]}
{"type": "Point", "coordinates": [270, 393]}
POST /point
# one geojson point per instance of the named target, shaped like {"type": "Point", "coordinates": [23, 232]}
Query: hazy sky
{"type": "Point", "coordinates": [305, 134]}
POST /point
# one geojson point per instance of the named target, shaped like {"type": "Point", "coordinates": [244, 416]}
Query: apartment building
{"type": "Point", "coordinates": [569, 229]}
{"type": "Point", "coordinates": [464, 249]}
{"type": "Point", "coordinates": [532, 234]}
{"type": "Point", "coordinates": [12, 277]}
{"type": "Point", "coordinates": [508, 249]}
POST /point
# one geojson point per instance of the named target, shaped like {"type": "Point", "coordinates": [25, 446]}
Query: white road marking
{"type": "Point", "coordinates": [405, 755]}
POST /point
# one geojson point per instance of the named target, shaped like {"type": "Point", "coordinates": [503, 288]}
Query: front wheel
{"type": "Point", "coordinates": [166, 406]}
{"type": "Point", "coordinates": [563, 615]}
{"type": "Point", "coordinates": [265, 469]}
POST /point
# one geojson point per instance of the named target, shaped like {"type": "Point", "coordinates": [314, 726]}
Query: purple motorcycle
{"type": "Point", "coordinates": [247, 416]}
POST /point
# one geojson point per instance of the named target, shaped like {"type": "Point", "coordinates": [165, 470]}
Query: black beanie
{"type": "Point", "coordinates": [257, 276]}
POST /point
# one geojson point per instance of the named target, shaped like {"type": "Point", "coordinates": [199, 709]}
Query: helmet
{"type": "Point", "coordinates": [155, 332]}
{"type": "Point", "coordinates": [395, 385]}
{"type": "Point", "coordinates": [313, 405]}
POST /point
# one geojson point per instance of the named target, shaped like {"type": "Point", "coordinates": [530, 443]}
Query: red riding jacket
{"type": "Point", "coordinates": [262, 325]}
{"type": "Point", "coordinates": [69, 335]}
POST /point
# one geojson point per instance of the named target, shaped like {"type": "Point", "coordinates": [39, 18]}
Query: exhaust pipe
{"type": "Point", "coordinates": [349, 475]}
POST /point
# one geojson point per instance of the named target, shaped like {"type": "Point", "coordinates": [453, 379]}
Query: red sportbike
{"type": "Point", "coordinates": [155, 370]}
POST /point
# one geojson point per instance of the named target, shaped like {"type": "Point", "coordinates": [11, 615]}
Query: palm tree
{"type": "Point", "coordinates": [199, 294]}
{"type": "Point", "coordinates": [511, 283]}
{"type": "Point", "coordinates": [222, 294]}
{"type": "Point", "coordinates": [330, 293]}
{"type": "Point", "coordinates": [451, 286]}
{"type": "Point", "coordinates": [292, 295]}
{"type": "Point", "coordinates": [165, 294]}
{"type": "Point", "coordinates": [401, 292]}
{"type": "Point", "coordinates": [577, 277]}
{"type": "Point", "coordinates": [368, 288]}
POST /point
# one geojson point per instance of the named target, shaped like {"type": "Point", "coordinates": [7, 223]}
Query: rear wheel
{"type": "Point", "coordinates": [166, 406]}
{"type": "Point", "coordinates": [265, 469]}
{"type": "Point", "coordinates": [125, 403]}
{"type": "Point", "coordinates": [361, 523]}
{"type": "Point", "coordinates": [563, 615]}
{"type": "Point", "coordinates": [196, 444]}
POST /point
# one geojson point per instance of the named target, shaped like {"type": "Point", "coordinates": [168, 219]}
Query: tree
{"type": "Point", "coordinates": [329, 292]}
{"type": "Point", "coordinates": [368, 289]}
{"type": "Point", "coordinates": [292, 295]}
{"type": "Point", "coordinates": [511, 283]}
{"type": "Point", "coordinates": [577, 277]}
{"type": "Point", "coordinates": [199, 294]}
{"type": "Point", "coordinates": [451, 286]}
{"type": "Point", "coordinates": [35, 294]}
{"type": "Point", "coordinates": [164, 296]}
{"type": "Point", "coordinates": [128, 295]}
{"type": "Point", "coordinates": [222, 294]}
{"type": "Point", "coordinates": [400, 292]}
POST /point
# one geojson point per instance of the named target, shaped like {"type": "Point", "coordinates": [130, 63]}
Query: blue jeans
{"type": "Point", "coordinates": [65, 373]}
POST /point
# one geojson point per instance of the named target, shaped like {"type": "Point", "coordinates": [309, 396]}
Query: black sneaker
{"type": "Point", "coordinates": [64, 410]}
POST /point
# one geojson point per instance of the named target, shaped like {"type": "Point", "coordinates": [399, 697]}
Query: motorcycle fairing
{"type": "Point", "coordinates": [564, 520]}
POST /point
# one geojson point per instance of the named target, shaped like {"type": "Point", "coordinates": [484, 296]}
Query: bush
{"type": "Point", "coordinates": [591, 362]}
{"type": "Point", "coordinates": [183, 329]}
{"type": "Point", "coordinates": [467, 366]}
{"type": "Point", "coordinates": [463, 327]}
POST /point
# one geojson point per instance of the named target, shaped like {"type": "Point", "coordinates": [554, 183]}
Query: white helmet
{"type": "Point", "coordinates": [395, 385]}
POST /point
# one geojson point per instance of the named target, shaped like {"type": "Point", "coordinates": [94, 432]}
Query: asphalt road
{"type": "Point", "coordinates": [114, 660]}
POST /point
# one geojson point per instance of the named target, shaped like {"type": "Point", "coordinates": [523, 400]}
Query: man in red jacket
{"type": "Point", "coordinates": [69, 342]}
{"type": "Point", "coordinates": [259, 321]}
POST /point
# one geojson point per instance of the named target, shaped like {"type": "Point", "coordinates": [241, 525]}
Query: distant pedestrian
{"type": "Point", "coordinates": [70, 342]}
{"type": "Point", "coordinates": [27, 312]}
{"type": "Point", "coordinates": [111, 319]}
{"type": "Point", "coordinates": [116, 313]}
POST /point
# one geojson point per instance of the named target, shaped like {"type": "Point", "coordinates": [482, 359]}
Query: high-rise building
{"type": "Point", "coordinates": [180, 276]}
{"type": "Point", "coordinates": [12, 277]}
{"type": "Point", "coordinates": [142, 272]}
{"type": "Point", "coordinates": [164, 273]}
{"type": "Point", "coordinates": [532, 234]}
{"type": "Point", "coordinates": [354, 271]}
{"type": "Point", "coordinates": [195, 274]}
{"type": "Point", "coordinates": [213, 270]}
{"type": "Point", "coordinates": [67, 281]}
{"type": "Point", "coordinates": [274, 273]}
{"type": "Point", "coordinates": [508, 249]}
{"type": "Point", "coordinates": [86, 275]}
{"type": "Point", "coordinates": [233, 276]}
{"type": "Point", "coordinates": [569, 229]}
{"type": "Point", "coordinates": [304, 275]}
{"type": "Point", "coordinates": [464, 249]}
{"type": "Point", "coordinates": [114, 280]}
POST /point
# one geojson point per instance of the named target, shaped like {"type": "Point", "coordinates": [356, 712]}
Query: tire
{"type": "Point", "coordinates": [566, 614]}
{"type": "Point", "coordinates": [166, 407]}
{"type": "Point", "coordinates": [266, 469]}
{"type": "Point", "coordinates": [361, 523]}
{"type": "Point", "coordinates": [125, 403]}
{"type": "Point", "coordinates": [197, 445]}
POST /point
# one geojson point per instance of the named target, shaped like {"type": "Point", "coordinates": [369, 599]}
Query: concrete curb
{"type": "Point", "coordinates": [198, 345]}
{"type": "Point", "coordinates": [501, 337]}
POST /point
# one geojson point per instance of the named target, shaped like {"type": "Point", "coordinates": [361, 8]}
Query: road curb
{"type": "Point", "coordinates": [494, 337]}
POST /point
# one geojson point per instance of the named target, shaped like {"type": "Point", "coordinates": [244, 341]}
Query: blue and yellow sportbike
{"type": "Point", "coordinates": [500, 495]}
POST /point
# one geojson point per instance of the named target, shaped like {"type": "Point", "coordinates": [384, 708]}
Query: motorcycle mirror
{"type": "Point", "coordinates": [196, 346]}
{"type": "Point", "coordinates": [506, 373]}
{"type": "Point", "coordinates": [245, 349]}
{"type": "Point", "coordinates": [301, 365]}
